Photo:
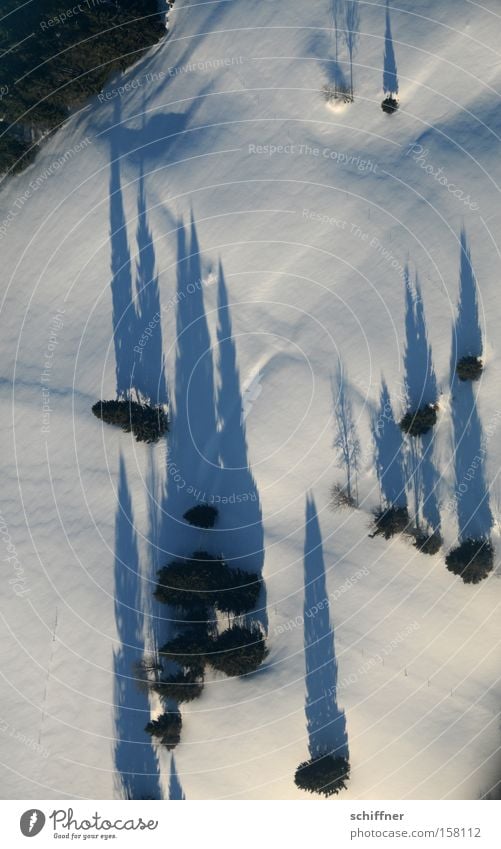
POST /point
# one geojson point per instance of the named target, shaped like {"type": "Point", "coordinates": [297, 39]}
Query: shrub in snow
{"type": "Point", "coordinates": [428, 543]}
{"type": "Point", "coordinates": [238, 651]}
{"type": "Point", "coordinates": [147, 423]}
{"type": "Point", "coordinates": [391, 521]}
{"type": "Point", "coordinates": [167, 728]}
{"type": "Point", "coordinates": [182, 687]}
{"type": "Point", "coordinates": [341, 498]}
{"type": "Point", "coordinates": [389, 105]}
{"type": "Point", "coordinates": [208, 580]}
{"type": "Point", "coordinates": [420, 421]}
{"type": "Point", "coordinates": [337, 93]}
{"type": "Point", "coordinates": [326, 775]}
{"type": "Point", "coordinates": [469, 368]}
{"type": "Point", "coordinates": [472, 560]}
{"type": "Point", "coordinates": [202, 516]}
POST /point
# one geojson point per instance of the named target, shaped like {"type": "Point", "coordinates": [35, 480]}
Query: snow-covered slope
{"type": "Point", "coordinates": [286, 224]}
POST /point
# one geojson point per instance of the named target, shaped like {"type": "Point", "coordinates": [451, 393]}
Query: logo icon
{"type": "Point", "coordinates": [32, 822]}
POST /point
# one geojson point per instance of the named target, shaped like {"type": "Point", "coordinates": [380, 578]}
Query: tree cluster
{"type": "Point", "coordinates": [239, 650]}
{"type": "Point", "coordinates": [199, 587]}
{"type": "Point", "coordinates": [207, 581]}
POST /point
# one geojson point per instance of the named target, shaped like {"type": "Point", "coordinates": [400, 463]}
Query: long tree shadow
{"type": "Point", "coordinates": [421, 390]}
{"type": "Point", "coordinates": [388, 445]}
{"type": "Point", "coordinates": [192, 444]}
{"type": "Point", "coordinates": [390, 76]}
{"type": "Point", "coordinates": [471, 490]}
{"type": "Point", "coordinates": [326, 721]}
{"type": "Point", "coordinates": [149, 375]}
{"type": "Point", "coordinates": [428, 477]}
{"type": "Point", "coordinates": [137, 330]}
{"type": "Point", "coordinates": [241, 523]}
{"type": "Point", "coordinates": [176, 793]}
{"type": "Point", "coordinates": [420, 379]}
{"type": "Point", "coordinates": [125, 330]}
{"type": "Point", "coordinates": [467, 333]}
{"type": "Point", "coordinates": [472, 497]}
{"type": "Point", "coordinates": [336, 84]}
{"type": "Point", "coordinates": [135, 760]}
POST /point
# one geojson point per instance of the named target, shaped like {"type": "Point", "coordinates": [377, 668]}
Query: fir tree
{"type": "Point", "coordinates": [326, 775]}
{"type": "Point", "coordinates": [238, 651]}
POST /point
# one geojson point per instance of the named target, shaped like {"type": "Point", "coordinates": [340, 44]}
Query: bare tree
{"type": "Point", "coordinates": [346, 441]}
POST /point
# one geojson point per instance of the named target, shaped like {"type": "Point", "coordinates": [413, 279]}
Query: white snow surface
{"type": "Point", "coordinates": [311, 241]}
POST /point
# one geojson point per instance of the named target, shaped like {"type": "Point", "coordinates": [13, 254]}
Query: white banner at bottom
{"type": "Point", "coordinates": [337, 824]}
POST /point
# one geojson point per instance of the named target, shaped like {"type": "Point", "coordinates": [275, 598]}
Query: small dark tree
{"type": "Point", "coordinates": [473, 560]}
{"type": "Point", "coordinates": [192, 581]}
{"type": "Point", "coordinates": [182, 687]}
{"type": "Point", "coordinates": [241, 592]}
{"type": "Point", "coordinates": [390, 521]}
{"type": "Point", "coordinates": [147, 423]}
{"type": "Point", "coordinates": [428, 543]}
{"type": "Point", "coordinates": [150, 424]}
{"type": "Point", "coordinates": [202, 516]}
{"type": "Point", "coordinates": [421, 421]}
{"type": "Point", "coordinates": [167, 728]}
{"type": "Point", "coordinates": [389, 105]}
{"type": "Point", "coordinates": [188, 651]}
{"type": "Point", "coordinates": [469, 368]}
{"type": "Point", "coordinates": [238, 651]}
{"type": "Point", "coordinates": [326, 775]}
